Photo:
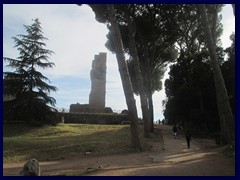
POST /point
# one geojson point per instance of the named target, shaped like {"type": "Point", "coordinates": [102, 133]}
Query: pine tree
{"type": "Point", "coordinates": [30, 88]}
{"type": "Point", "coordinates": [227, 122]}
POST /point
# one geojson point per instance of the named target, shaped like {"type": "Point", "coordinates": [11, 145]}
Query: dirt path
{"type": "Point", "coordinates": [202, 159]}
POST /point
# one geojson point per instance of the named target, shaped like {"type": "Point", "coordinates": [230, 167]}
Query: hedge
{"type": "Point", "coordinates": [94, 118]}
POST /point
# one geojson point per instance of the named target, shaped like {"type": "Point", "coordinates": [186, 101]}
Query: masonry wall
{"type": "Point", "coordinates": [89, 118]}
{"type": "Point", "coordinates": [98, 83]}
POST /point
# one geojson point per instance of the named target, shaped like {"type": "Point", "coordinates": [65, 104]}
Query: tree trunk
{"type": "Point", "coordinates": [149, 89]}
{"type": "Point", "coordinates": [233, 6]}
{"type": "Point", "coordinates": [151, 111]}
{"type": "Point", "coordinates": [214, 25]}
{"type": "Point", "coordinates": [127, 86]}
{"type": "Point", "coordinates": [148, 84]}
{"type": "Point", "coordinates": [224, 109]}
{"type": "Point", "coordinates": [139, 78]}
{"type": "Point", "coordinates": [200, 101]}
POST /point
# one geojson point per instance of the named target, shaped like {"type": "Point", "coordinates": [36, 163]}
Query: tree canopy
{"type": "Point", "coordinates": [190, 88]}
{"type": "Point", "coordinates": [26, 83]}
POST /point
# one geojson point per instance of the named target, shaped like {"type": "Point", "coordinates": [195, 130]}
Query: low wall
{"type": "Point", "coordinates": [94, 118]}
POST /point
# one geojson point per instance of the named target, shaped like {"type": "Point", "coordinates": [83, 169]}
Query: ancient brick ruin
{"type": "Point", "coordinates": [98, 79]}
{"type": "Point", "coordinates": [98, 87]}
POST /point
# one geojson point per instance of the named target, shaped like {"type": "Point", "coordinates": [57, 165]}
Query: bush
{"type": "Point", "coordinates": [41, 114]}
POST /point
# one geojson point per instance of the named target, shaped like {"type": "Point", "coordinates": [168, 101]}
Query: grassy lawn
{"type": "Point", "coordinates": [21, 142]}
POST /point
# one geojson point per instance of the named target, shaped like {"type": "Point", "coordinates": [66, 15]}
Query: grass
{"type": "Point", "coordinates": [22, 142]}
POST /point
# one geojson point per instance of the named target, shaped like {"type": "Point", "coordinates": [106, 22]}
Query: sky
{"type": "Point", "coordinates": [75, 37]}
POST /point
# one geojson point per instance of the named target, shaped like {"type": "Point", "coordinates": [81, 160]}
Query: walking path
{"type": "Point", "coordinates": [202, 159]}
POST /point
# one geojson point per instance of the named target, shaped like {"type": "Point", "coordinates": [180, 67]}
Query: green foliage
{"type": "Point", "coordinates": [32, 102]}
{"type": "Point", "coordinates": [191, 92]}
{"type": "Point", "coordinates": [22, 142]}
{"type": "Point", "coordinates": [100, 11]}
{"type": "Point", "coordinates": [190, 88]}
{"type": "Point", "coordinates": [191, 95]}
{"type": "Point", "coordinates": [154, 39]}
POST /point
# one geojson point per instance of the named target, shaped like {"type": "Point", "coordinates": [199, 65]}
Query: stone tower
{"type": "Point", "coordinates": [98, 87]}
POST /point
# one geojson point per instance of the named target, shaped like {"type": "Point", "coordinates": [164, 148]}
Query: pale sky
{"type": "Point", "coordinates": [75, 37]}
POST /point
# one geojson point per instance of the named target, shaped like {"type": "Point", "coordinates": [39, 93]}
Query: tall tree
{"type": "Point", "coordinates": [32, 102]}
{"type": "Point", "coordinates": [138, 73]}
{"type": "Point", "coordinates": [191, 95]}
{"type": "Point", "coordinates": [233, 6]}
{"type": "Point", "coordinates": [190, 84]}
{"type": "Point", "coordinates": [224, 108]}
{"type": "Point", "coordinates": [126, 14]}
{"type": "Point", "coordinates": [106, 13]}
{"type": "Point", "coordinates": [127, 86]}
{"type": "Point", "coordinates": [228, 71]}
{"type": "Point", "coordinates": [152, 41]}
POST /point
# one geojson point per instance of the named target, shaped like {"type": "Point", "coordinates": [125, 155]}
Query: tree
{"type": "Point", "coordinates": [224, 109]}
{"type": "Point", "coordinates": [28, 85]}
{"type": "Point", "coordinates": [190, 86]}
{"type": "Point", "coordinates": [233, 6]}
{"type": "Point", "coordinates": [106, 13]}
{"type": "Point", "coordinates": [154, 39]}
{"type": "Point", "coordinates": [126, 21]}
{"type": "Point", "coordinates": [125, 77]}
{"type": "Point", "coordinates": [191, 95]}
{"type": "Point", "coordinates": [228, 71]}
{"type": "Point", "coordinates": [146, 40]}
{"type": "Point", "coordinates": [138, 73]}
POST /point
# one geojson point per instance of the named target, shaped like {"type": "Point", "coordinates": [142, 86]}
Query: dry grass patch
{"type": "Point", "coordinates": [21, 142]}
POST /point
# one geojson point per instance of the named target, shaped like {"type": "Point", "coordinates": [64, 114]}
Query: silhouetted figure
{"type": "Point", "coordinates": [188, 137]}
{"type": "Point", "coordinates": [175, 131]}
{"type": "Point", "coordinates": [180, 129]}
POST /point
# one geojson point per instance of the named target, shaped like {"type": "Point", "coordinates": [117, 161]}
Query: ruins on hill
{"type": "Point", "coordinates": [98, 87]}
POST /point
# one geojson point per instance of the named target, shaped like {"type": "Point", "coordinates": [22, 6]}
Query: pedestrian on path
{"type": "Point", "coordinates": [174, 131]}
{"type": "Point", "coordinates": [188, 136]}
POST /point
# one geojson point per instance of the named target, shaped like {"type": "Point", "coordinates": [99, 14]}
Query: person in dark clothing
{"type": "Point", "coordinates": [188, 136]}
{"type": "Point", "coordinates": [175, 131]}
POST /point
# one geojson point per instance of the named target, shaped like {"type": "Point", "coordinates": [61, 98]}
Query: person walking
{"type": "Point", "coordinates": [175, 131]}
{"type": "Point", "coordinates": [188, 136]}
